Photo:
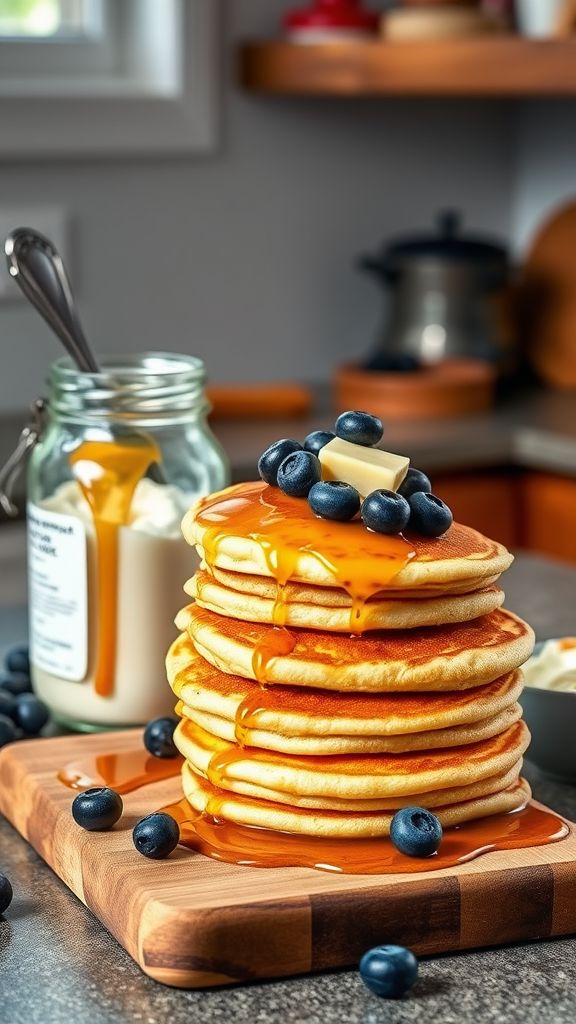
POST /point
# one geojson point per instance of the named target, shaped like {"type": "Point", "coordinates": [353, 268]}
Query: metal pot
{"type": "Point", "coordinates": [445, 292]}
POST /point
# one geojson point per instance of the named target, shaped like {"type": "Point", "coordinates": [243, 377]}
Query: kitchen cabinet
{"type": "Point", "coordinates": [547, 513]}
{"type": "Point", "coordinates": [486, 500]}
{"type": "Point", "coordinates": [522, 509]}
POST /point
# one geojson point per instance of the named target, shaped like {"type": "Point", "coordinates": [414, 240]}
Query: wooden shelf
{"type": "Point", "coordinates": [480, 66]}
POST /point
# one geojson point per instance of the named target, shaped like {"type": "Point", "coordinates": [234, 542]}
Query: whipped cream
{"type": "Point", "coordinates": [553, 667]}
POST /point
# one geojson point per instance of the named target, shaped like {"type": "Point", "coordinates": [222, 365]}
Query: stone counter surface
{"type": "Point", "coordinates": [533, 431]}
{"type": "Point", "coordinates": [59, 965]}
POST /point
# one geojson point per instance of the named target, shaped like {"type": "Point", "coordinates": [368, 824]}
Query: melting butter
{"type": "Point", "coordinates": [366, 469]}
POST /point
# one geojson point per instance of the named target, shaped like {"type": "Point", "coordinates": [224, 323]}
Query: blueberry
{"type": "Point", "coordinates": [8, 704]}
{"type": "Point", "coordinates": [385, 512]}
{"type": "Point", "coordinates": [269, 461]}
{"type": "Point", "coordinates": [31, 713]}
{"type": "Point", "coordinates": [415, 480]}
{"type": "Point", "coordinates": [429, 515]}
{"type": "Point", "coordinates": [6, 894]}
{"type": "Point", "coordinates": [360, 428]}
{"type": "Point", "coordinates": [416, 832]}
{"type": "Point", "coordinates": [389, 971]}
{"type": "Point", "coordinates": [8, 731]}
{"type": "Point", "coordinates": [317, 439]}
{"type": "Point", "coordinates": [334, 499]}
{"type": "Point", "coordinates": [298, 473]}
{"type": "Point", "coordinates": [18, 660]}
{"type": "Point", "coordinates": [159, 737]}
{"type": "Point", "coordinates": [97, 809]}
{"type": "Point", "coordinates": [156, 835]}
{"type": "Point", "coordinates": [15, 683]}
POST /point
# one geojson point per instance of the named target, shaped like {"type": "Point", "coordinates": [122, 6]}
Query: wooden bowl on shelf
{"type": "Point", "coordinates": [453, 387]}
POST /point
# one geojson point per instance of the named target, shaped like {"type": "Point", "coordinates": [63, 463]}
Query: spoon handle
{"type": "Point", "coordinates": [37, 267]}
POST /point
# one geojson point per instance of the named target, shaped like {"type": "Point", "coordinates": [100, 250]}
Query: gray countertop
{"type": "Point", "coordinates": [536, 430]}
{"type": "Point", "coordinates": [57, 962]}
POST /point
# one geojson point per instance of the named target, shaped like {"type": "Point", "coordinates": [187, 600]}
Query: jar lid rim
{"type": "Point", "coordinates": [148, 363]}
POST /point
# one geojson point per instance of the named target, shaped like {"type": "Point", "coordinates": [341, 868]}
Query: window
{"type": "Point", "coordinates": [107, 76]}
{"type": "Point", "coordinates": [48, 19]}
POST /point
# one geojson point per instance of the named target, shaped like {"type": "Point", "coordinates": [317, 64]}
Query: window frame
{"type": "Point", "coordinates": [159, 95]}
{"type": "Point", "coordinates": [64, 56]}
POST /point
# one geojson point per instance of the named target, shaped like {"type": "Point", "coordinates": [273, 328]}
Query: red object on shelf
{"type": "Point", "coordinates": [332, 14]}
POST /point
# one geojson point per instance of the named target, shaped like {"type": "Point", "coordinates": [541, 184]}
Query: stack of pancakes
{"type": "Point", "coordinates": [327, 676]}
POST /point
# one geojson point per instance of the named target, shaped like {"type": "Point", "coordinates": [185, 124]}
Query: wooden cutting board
{"type": "Point", "coordinates": [192, 922]}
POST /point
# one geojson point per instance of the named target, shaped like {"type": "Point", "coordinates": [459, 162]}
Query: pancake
{"type": "Point", "coordinates": [258, 530]}
{"type": "Point", "coordinates": [322, 745]}
{"type": "Point", "coordinates": [319, 613]}
{"type": "Point", "coordinates": [434, 798]}
{"type": "Point", "coordinates": [298, 711]}
{"type": "Point", "coordinates": [419, 706]}
{"type": "Point", "coordinates": [332, 597]}
{"type": "Point", "coordinates": [313, 745]}
{"type": "Point", "coordinates": [450, 657]}
{"type": "Point", "coordinates": [357, 777]}
{"type": "Point", "coordinates": [262, 814]}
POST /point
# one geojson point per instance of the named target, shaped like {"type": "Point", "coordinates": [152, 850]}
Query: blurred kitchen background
{"type": "Point", "coordinates": [364, 205]}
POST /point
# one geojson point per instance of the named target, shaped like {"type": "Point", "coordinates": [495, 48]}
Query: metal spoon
{"type": "Point", "coordinates": [37, 267]}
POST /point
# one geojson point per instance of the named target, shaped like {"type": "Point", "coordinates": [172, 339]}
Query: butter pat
{"type": "Point", "coordinates": [366, 469]}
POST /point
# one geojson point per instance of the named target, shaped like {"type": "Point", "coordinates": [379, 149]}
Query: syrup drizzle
{"type": "Point", "coordinates": [360, 562]}
{"type": "Point", "coordinates": [209, 834]}
{"type": "Point", "coordinates": [248, 712]}
{"type": "Point", "coordinates": [108, 473]}
{"type": "Point", "coordinates": [275, 644]}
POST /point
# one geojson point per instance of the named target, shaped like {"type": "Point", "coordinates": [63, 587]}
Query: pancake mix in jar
{"type": "Point", "coordinates": [114, 470]}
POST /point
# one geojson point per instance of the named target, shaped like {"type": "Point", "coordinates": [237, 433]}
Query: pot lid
{"type": "Point", "coordinates": [337, 14]}
{"type": "Point", "coordinates": [447, 243]}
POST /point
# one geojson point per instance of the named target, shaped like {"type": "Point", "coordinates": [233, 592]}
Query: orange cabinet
{"type": "Point", "coordinates": [547, 514]}
{"type": "Point", "coordinates": [486, 500]}
{"type": "Point", "coordinates": [522, 509]}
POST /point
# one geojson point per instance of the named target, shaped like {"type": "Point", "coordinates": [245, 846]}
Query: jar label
{"type": "Point", "coordinates": [58, 593]}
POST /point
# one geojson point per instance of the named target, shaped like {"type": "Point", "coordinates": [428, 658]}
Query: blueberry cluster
{"type": "Point", "coordinates": [22, 715]}
{"type": "Point", "coordinates": [98, 809]}
{"type": "Point", "coordinates": [295, 468]}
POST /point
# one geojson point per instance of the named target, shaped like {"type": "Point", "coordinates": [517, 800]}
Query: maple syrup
{"type": "Point", "coordinates": [108, 474]}
{"type": "Point", "coordinates": [123, 770]}
{"type": "Point", "coordinates": [210, 835]}
{"type": "Point", "coordinates": [361, 563]}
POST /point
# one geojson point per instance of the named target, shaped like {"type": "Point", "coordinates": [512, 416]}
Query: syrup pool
{"type": "Point", "coordinates": [123, 770]}
{"type": "Point", "coordinates": [257, 847]}
{"type": "Point", "coordinates": [221, 840]}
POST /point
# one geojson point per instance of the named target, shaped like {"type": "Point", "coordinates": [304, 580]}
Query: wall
{"type": "Point", "coordinates": [545, 171]}
{"type": "Point", "coordinates": [246, 257]}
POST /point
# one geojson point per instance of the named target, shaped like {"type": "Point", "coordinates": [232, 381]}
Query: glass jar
{"type": "Point", "coordinates": [123, 455]}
